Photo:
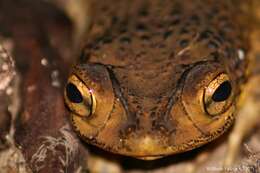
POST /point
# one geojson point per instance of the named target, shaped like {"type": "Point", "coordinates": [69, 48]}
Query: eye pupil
{"type": "Point", "coordinates": [223, 92]}
{"type": "Point", "coordinates": [73, 93]}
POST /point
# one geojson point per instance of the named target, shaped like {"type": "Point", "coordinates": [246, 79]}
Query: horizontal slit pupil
{"type": "Point", "coordinates": [223, 92]}
{"type": "Point", "coordinates": [73, 93]}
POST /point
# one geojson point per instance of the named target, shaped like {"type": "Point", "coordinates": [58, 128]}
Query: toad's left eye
{"type": "Point", "coordinates": [218, 95]}
{"type": "Point", "coordinates": [223, 92]}
{"type": "Point", "coordinates": [79, 98]}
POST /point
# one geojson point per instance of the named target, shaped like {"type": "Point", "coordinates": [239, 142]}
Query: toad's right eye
{"type": "Point", "coordinates": [79, 98]}
{"type": "Point", "coordinates": [73, 93]}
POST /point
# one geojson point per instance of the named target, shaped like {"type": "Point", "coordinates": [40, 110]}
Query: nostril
{"type": "Point", "coordinates": [163, 129]}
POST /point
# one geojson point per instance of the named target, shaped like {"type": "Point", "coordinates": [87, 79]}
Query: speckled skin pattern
{"type": "Point", "coordinates": [148, 63]}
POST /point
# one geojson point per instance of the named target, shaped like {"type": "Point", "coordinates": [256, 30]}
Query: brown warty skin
{"type": "Point", "coordinates": [159, 77]}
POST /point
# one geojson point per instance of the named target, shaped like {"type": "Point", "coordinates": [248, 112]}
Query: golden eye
{"type": "Point", "coordinates": [218, 95]}
{"type": "Point", "coordinates": [79, 98]}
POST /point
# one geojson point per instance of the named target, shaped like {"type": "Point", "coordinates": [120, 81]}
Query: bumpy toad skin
{"type": "Point", "coordinates": [159, 77]}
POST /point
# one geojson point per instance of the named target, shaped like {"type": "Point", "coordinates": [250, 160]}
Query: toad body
{"type": "Point", "coordinates": [159, 77]}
